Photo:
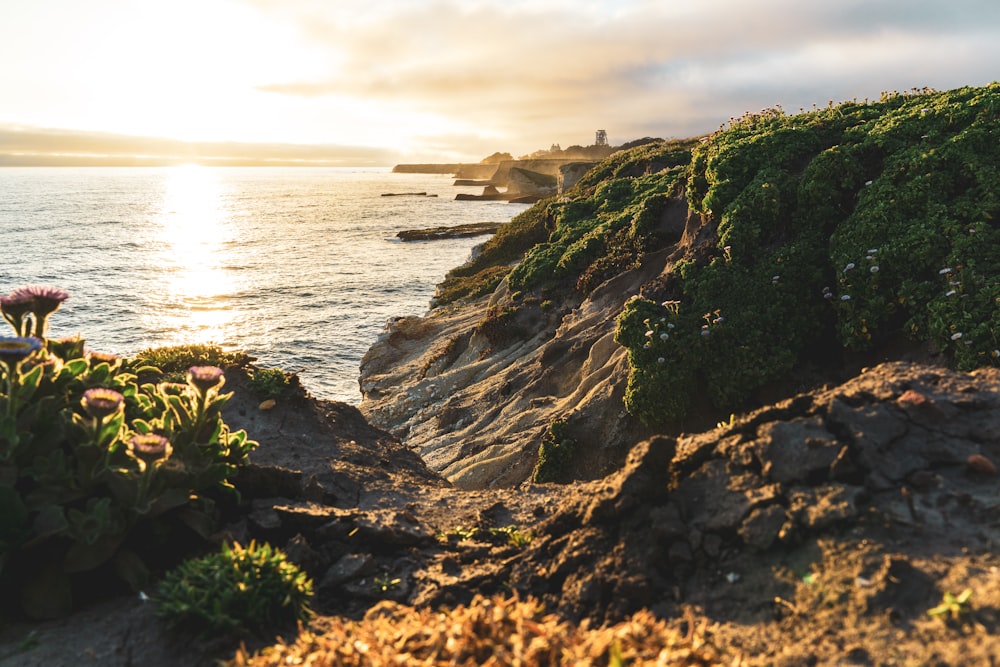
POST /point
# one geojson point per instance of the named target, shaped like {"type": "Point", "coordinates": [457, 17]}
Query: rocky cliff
{"type": "Point", "coordinates": [684, 281]}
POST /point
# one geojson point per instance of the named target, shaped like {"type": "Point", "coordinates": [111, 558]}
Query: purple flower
{"type": "Point", "coordinates": [46, 299]}
{"type": "Point", "coordinates": [149, 447]}
{"type": "Point", "coordinates": [102, 357]}
{"type": "Point", "coordinates": [40, 300]}
{"type": "Point", "coordinates": [14, 309]}
{"type": "Point", "coordinates": [100, 402]}
{"type": "Point", "coordinates": [14, 349]}
{"type": "Point", "coordinates": [206, 377]}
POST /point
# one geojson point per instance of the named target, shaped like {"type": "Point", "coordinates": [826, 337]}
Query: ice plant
{"type": "Point", "coordinates": [149, 448]}
{"type": "Point", "coordinates": [206, 378]}
{"type": "Point", "coordinates": [14, 350]}
{"type": "Point", "coordinates": [100, 403]}
{"type": "Point", "coordinates": [14, 309]}
{"type": "Point", "coordinates": [44, 299]}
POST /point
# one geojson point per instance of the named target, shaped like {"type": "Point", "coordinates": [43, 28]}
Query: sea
{"type": "Point", "coordinates": [299, 267]}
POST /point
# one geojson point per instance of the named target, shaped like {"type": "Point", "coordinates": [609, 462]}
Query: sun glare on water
{"type": "Point", "coordinates": [191, 228]}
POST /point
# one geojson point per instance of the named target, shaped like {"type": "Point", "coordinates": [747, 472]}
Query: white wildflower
{"type": "Point", "coordinates": [660, 360]}
{"type": "Point", "coordinates": [951, 292]}
{"type": "Point", "coordinates": [945, 271]}
{"type": "Point", "coordinates": [664, 336]}
{"type": "Point", "coordinates": [850, 265]}
{"type": "Point", "coordinates": [874, 269]}
{"type": "Point", "coordinates": [868, 182]}
{"type": "Point", "coordinates": [956, 335]}
{"type": "Point", "coordinates": [845, 297]}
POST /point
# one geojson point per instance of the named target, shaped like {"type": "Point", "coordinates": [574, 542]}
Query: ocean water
{"type": "Point", "coordinates": [297, 266]}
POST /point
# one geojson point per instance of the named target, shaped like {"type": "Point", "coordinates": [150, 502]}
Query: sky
{"type": "Point", "coordinates": [387, 81]}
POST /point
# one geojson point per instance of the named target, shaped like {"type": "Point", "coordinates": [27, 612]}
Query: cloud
{"type": "Point", "coordinates": [33, 146]}
{"type": "Point", "coordinates": [541, 69]}
{"type": "Point", "coordinates": [472, 77]}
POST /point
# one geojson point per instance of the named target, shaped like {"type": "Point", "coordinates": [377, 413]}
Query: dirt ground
{"type": "Point", "coordinates": [817, 531]}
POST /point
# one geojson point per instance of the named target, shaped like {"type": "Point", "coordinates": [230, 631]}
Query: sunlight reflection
{"type": "Point", "coordinates": [193, 228]}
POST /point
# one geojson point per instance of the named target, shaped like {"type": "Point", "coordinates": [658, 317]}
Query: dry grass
{"type": "Point", "coordinates": [493, 631]}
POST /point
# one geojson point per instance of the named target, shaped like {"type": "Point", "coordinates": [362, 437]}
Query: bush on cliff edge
{"type": "Point", "coordinates": [839, 227]}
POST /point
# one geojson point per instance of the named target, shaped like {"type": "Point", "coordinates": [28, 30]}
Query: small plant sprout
{"type": "Point", "coordinates": [515, 536]}
{"type": "Point", "coordinates": [953, 607]}
{"type": "Point", "coordinates": [726, 424]}
{"type": "Point", "coordinates": [673, 306]}
{"type": "Point", "coordinates": [383, 583]}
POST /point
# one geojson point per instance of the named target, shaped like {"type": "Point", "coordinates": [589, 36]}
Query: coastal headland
{"type": "Point", "coordinates": [525, 180]}
{"type": "Point", "coordinates": [732, 400]}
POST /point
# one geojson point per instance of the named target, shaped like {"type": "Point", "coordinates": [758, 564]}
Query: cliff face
{"type": "Point", "coordinates": [475, 395]}
{"type": "Point", "coordinates": [683, 281]}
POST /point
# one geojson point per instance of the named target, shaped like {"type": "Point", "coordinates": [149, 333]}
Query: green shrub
{"type": "Point", "coordinates": [482, 274]}
{"type": "Point", "coordinates": [607, 226]}
{"type": "Point", "coordinates": [98, 472]}
{"type": "Point", "coordinates": [837, 228]}
{"type": "Point", "coordinates": [268, 382]}
{"type": "Point", "coordinates": [254, 587]}
{"type": "Point", "coordinates": [173, 361]}
{"type": "Point", "coordinates": [555, 454]}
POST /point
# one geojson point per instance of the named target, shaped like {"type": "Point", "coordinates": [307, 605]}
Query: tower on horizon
{"type": "Point", "coordinates": [601, 139]}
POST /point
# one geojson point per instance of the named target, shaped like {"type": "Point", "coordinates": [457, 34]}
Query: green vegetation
{"type": "Point", "coordinates": [511, 535]}
{"type": "Point", "coordinates": [497, 257]}
{"type": "Point", "coordinates": [555, 454]}
{"type": "Point", "coordinates": [268, 382]}
{"type": "Point", "coordinates": [604, 230]}
{"type": "Point", "coordinates": [841, 227]}
{"type": "Point", "coordinates": [254, 587]}
{"type": "Point", "coordinates": [100, 475]}
{"type": "Point", "coordinates": [953, 607]}
{"type": "Point", "coordinates": [174, 360]}
{"type": "Point", "coordinates": [383, 584]}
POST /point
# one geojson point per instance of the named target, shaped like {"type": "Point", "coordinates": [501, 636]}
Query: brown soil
{"type": "Point", "coordinates": [817, 531]}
